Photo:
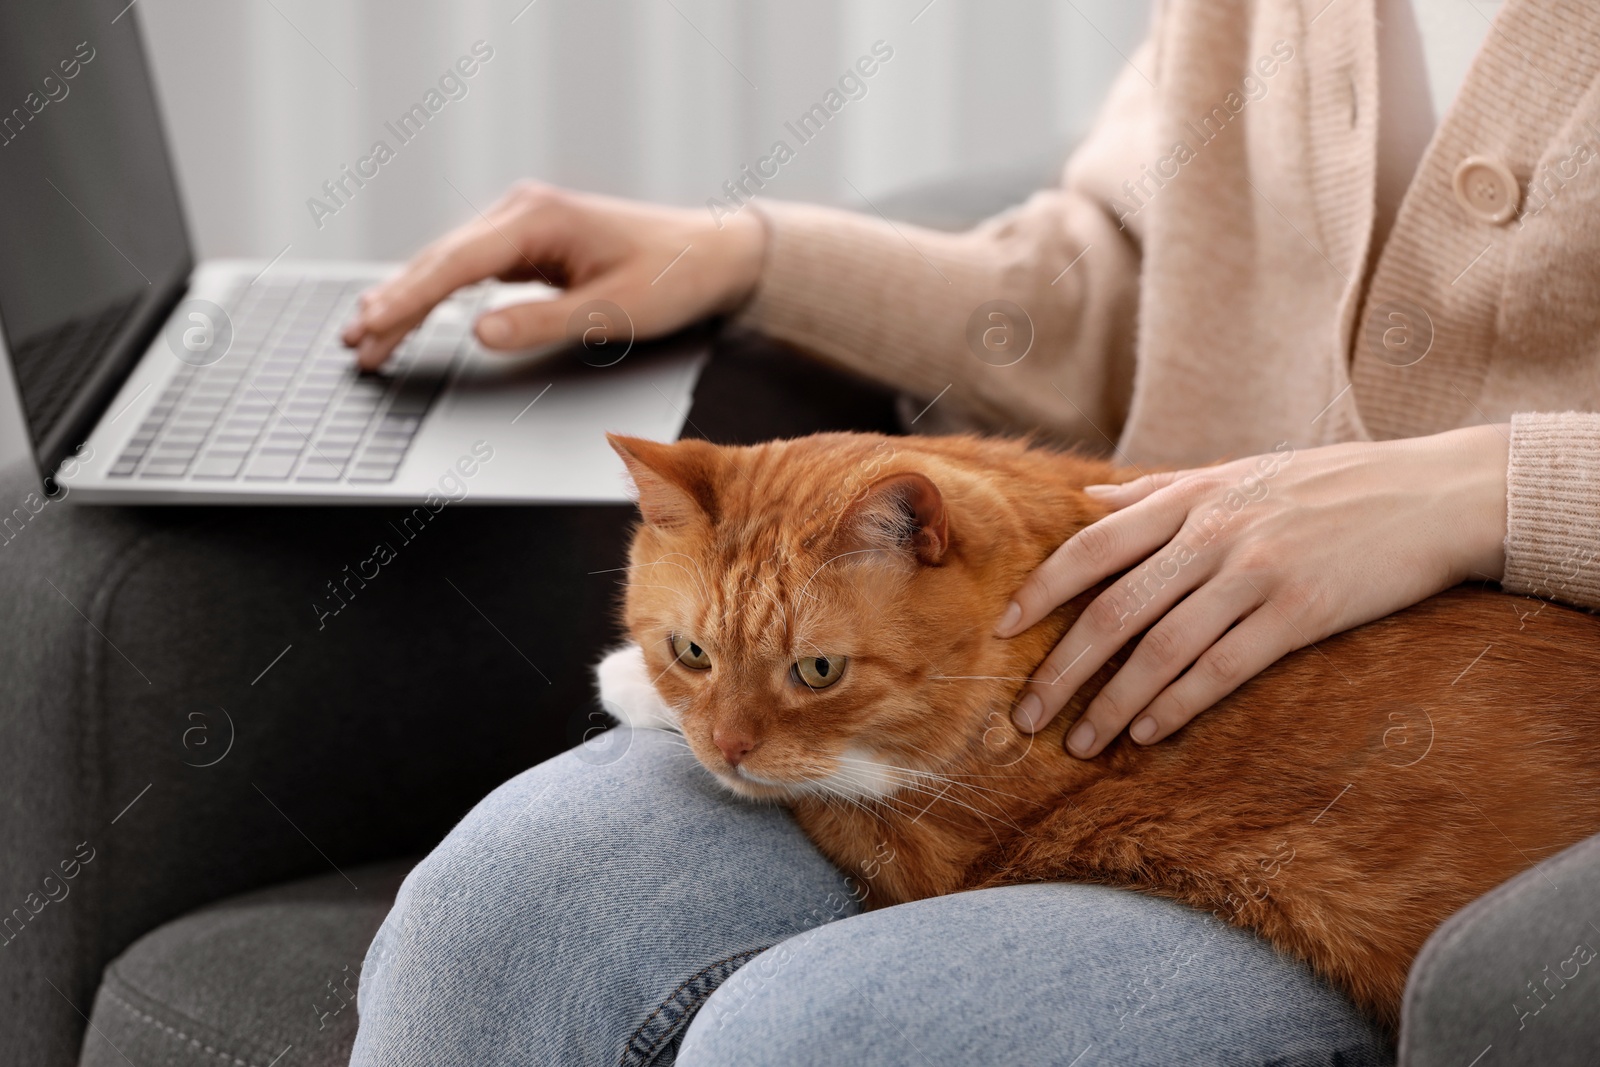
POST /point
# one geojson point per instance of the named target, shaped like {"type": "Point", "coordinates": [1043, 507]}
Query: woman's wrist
{"type": "Point", "coordinates": [744, 239]}
{"type": "Point", "coordinates": [1480, 456]}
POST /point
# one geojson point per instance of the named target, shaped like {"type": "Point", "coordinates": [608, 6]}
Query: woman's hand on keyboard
{"type": "Point", "coordinates": [664, 267]}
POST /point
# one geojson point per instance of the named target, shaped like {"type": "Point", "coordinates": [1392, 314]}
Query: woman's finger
{"type": "Point", "coordinates": [539, 322]}
{"type": "Point", "coordinates": [1120, 495]}
{"type": "Point", "coordinates": [518, 231]}
{"type": "Point", "coordinates": [482, 250]}
{"type": "Point", "coordinates": [1261, 639]}
{"type": "Point", "coordinates": [1101, 549]}
{"type": "Point", "coordinates": [1111, 620]}
{"type": "Point", "coordinates": [1167, 648]}
{"type": "Point", "coordinates": [374, 348]}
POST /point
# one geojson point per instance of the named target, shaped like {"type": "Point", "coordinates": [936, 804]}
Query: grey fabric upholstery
{"type": "Point", "coordinates": [263, 977]}
{"type": "Point", "coordinates": [1514, 977]}
{"type": "Point", "coordinates": [136, 643]}
{"type": "Point", "coordinates": [367, 739]}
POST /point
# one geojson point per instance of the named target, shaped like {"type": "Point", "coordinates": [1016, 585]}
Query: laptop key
{"type": "Point", "coordinates": [373, 473]}
{"type": "Point", "coordinates": [343, 429]}
{"type": "Point", "coordinates": [218, 467]}
{"type": "Point", "coordinates": [164, 468]}
{"type": "Point", "coordinates": [318, 469]}
{"type": "Point", "coordinates": [270, 467]}
{"type": "Point", "coordinates": [187, 431]}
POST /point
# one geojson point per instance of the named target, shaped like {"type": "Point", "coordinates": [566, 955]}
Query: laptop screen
{"type": "Point", "coordinates": [93, 247]}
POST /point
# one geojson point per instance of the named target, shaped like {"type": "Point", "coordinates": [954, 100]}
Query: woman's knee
{"type": "Point", "coordinates": [1034, 974]}
{"type": "Point", "coordinates": [568, 836]}
{"type": "Point", "coordinates": [611, 879]}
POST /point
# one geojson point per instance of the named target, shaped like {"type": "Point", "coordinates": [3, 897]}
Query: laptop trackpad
{"type": "Point", "coordinates": [545, 415]}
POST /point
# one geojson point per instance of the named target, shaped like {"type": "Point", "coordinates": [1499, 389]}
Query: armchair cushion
{"type": "Point", "coordinates": [244, 981]}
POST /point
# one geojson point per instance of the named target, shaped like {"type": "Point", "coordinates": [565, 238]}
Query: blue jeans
{"type": "Point", "coordinates": [616, 906]}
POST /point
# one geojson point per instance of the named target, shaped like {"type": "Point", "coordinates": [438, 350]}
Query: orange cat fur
{"type": "Point", "coordinates": [1342, 804]}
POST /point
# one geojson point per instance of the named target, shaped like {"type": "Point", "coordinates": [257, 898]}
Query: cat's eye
{"type": "Point", "coordinates": [690, 654]}
{"type": "Point", "coordinates": [819, 672]}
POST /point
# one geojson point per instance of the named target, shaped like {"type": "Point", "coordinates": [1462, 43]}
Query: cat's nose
{"type": "Point", "coordinates": [735, 744]}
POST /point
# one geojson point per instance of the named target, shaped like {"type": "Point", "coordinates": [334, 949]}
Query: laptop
{"type": "Point", "coordinates": [145, 377]}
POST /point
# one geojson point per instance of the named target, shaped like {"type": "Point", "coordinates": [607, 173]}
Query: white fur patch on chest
{"type": "Point", "coordinates": [627, 692]}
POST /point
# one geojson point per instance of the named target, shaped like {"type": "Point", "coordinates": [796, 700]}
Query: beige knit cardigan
{"type": "Point", "coordinates": [1201, 283]}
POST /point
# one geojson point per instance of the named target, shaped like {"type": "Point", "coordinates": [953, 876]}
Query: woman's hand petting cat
{"type": "Point", "coordinates": [1229, 568]}
{"type": "Point", "coordinates": [664, 267]}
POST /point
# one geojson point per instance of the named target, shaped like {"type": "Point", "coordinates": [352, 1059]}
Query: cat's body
{"type": "Point", "coordinates": [1343, 803]}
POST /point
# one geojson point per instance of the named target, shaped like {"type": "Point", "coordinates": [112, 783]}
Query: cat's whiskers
{"type": "Point", "coordinates": [878, 762]}
{"type": "Point", "coordinates": [944, 794]}
{"type": "Point", "coordinates": [987, 678]}
{"type": "Point", "coordinates": [932, 773]}
{"type": "Point", "coordinates": [664, 561]}
{"type": "Point", "coordinates": [648, 585]}
{"type": "Point", "coordinates": [953, 783]}
{"type": "Point", "coordinates": [663, 673]}
{"type": "Point", "coordinates": [927, 783]}
{"type": "Point", "coordinates": [890, 802]}
{"type": "Point", "coordinates": [923, 778]}
{"type": "Point", "coordinates": [839, 794]}
{"type": "Point", "coordinates": [632, 567]}
{"type": "Point", "coordinates": [928, 809]}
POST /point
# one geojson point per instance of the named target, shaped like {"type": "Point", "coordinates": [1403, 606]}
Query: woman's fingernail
{"type": "Point", "coordinates": [494, 330]}
{"type": "Point", "coordinates": [1082, 737]}
{"type": "Point", "coordinates": [1012, 616]}
{"type": "Point", "coordinates": [1029, 710]}
{"type": "Point", "coordinates": [1143, 731]}
{"type": "Point", "coordinates": [1100, 490]}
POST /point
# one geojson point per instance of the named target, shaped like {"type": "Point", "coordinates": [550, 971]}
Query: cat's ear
{"type": "Point", "coordinates": [676, 482]}
{"type": "Point", "coordinates": [902, 513]}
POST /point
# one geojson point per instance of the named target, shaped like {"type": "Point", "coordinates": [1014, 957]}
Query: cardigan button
{"type": "Point", "coordinates": [1487, 189]}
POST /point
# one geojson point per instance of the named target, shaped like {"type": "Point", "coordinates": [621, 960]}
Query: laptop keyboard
{"type": "Point", "coordinates": [285, 403]}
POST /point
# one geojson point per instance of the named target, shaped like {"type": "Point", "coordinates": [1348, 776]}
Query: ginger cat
{"type": "Point", "coordinates": [815, 616]}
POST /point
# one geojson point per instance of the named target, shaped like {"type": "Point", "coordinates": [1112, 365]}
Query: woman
{"type": "Point", "coordinates": [1253, 249]}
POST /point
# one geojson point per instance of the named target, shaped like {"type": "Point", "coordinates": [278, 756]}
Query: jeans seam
{"type": "Point", "coordinates": [641, 1050]}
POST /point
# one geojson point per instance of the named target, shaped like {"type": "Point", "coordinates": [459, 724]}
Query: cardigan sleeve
{"type": "Point", "coordinates": [910, 307]}
{"type": "Point", "coordinates": [1553, 507]}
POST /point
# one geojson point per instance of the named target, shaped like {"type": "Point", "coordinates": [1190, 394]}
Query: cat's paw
{"type": "Point", "coordinates": [626, 692]}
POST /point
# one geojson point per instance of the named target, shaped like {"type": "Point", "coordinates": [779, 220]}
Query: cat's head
{"type": "Point", "coordinates": [817, 613]}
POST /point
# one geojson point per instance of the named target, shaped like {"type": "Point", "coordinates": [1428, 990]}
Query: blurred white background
{"type": "Point", "coordinates": [265, 100]}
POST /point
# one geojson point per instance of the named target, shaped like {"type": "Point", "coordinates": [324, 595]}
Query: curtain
{"type": "Point", "coordinates": [267, 100]}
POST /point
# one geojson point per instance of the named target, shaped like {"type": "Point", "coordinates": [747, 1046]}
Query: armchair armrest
{"type": "Point", "coordinates": [1514, 977]}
